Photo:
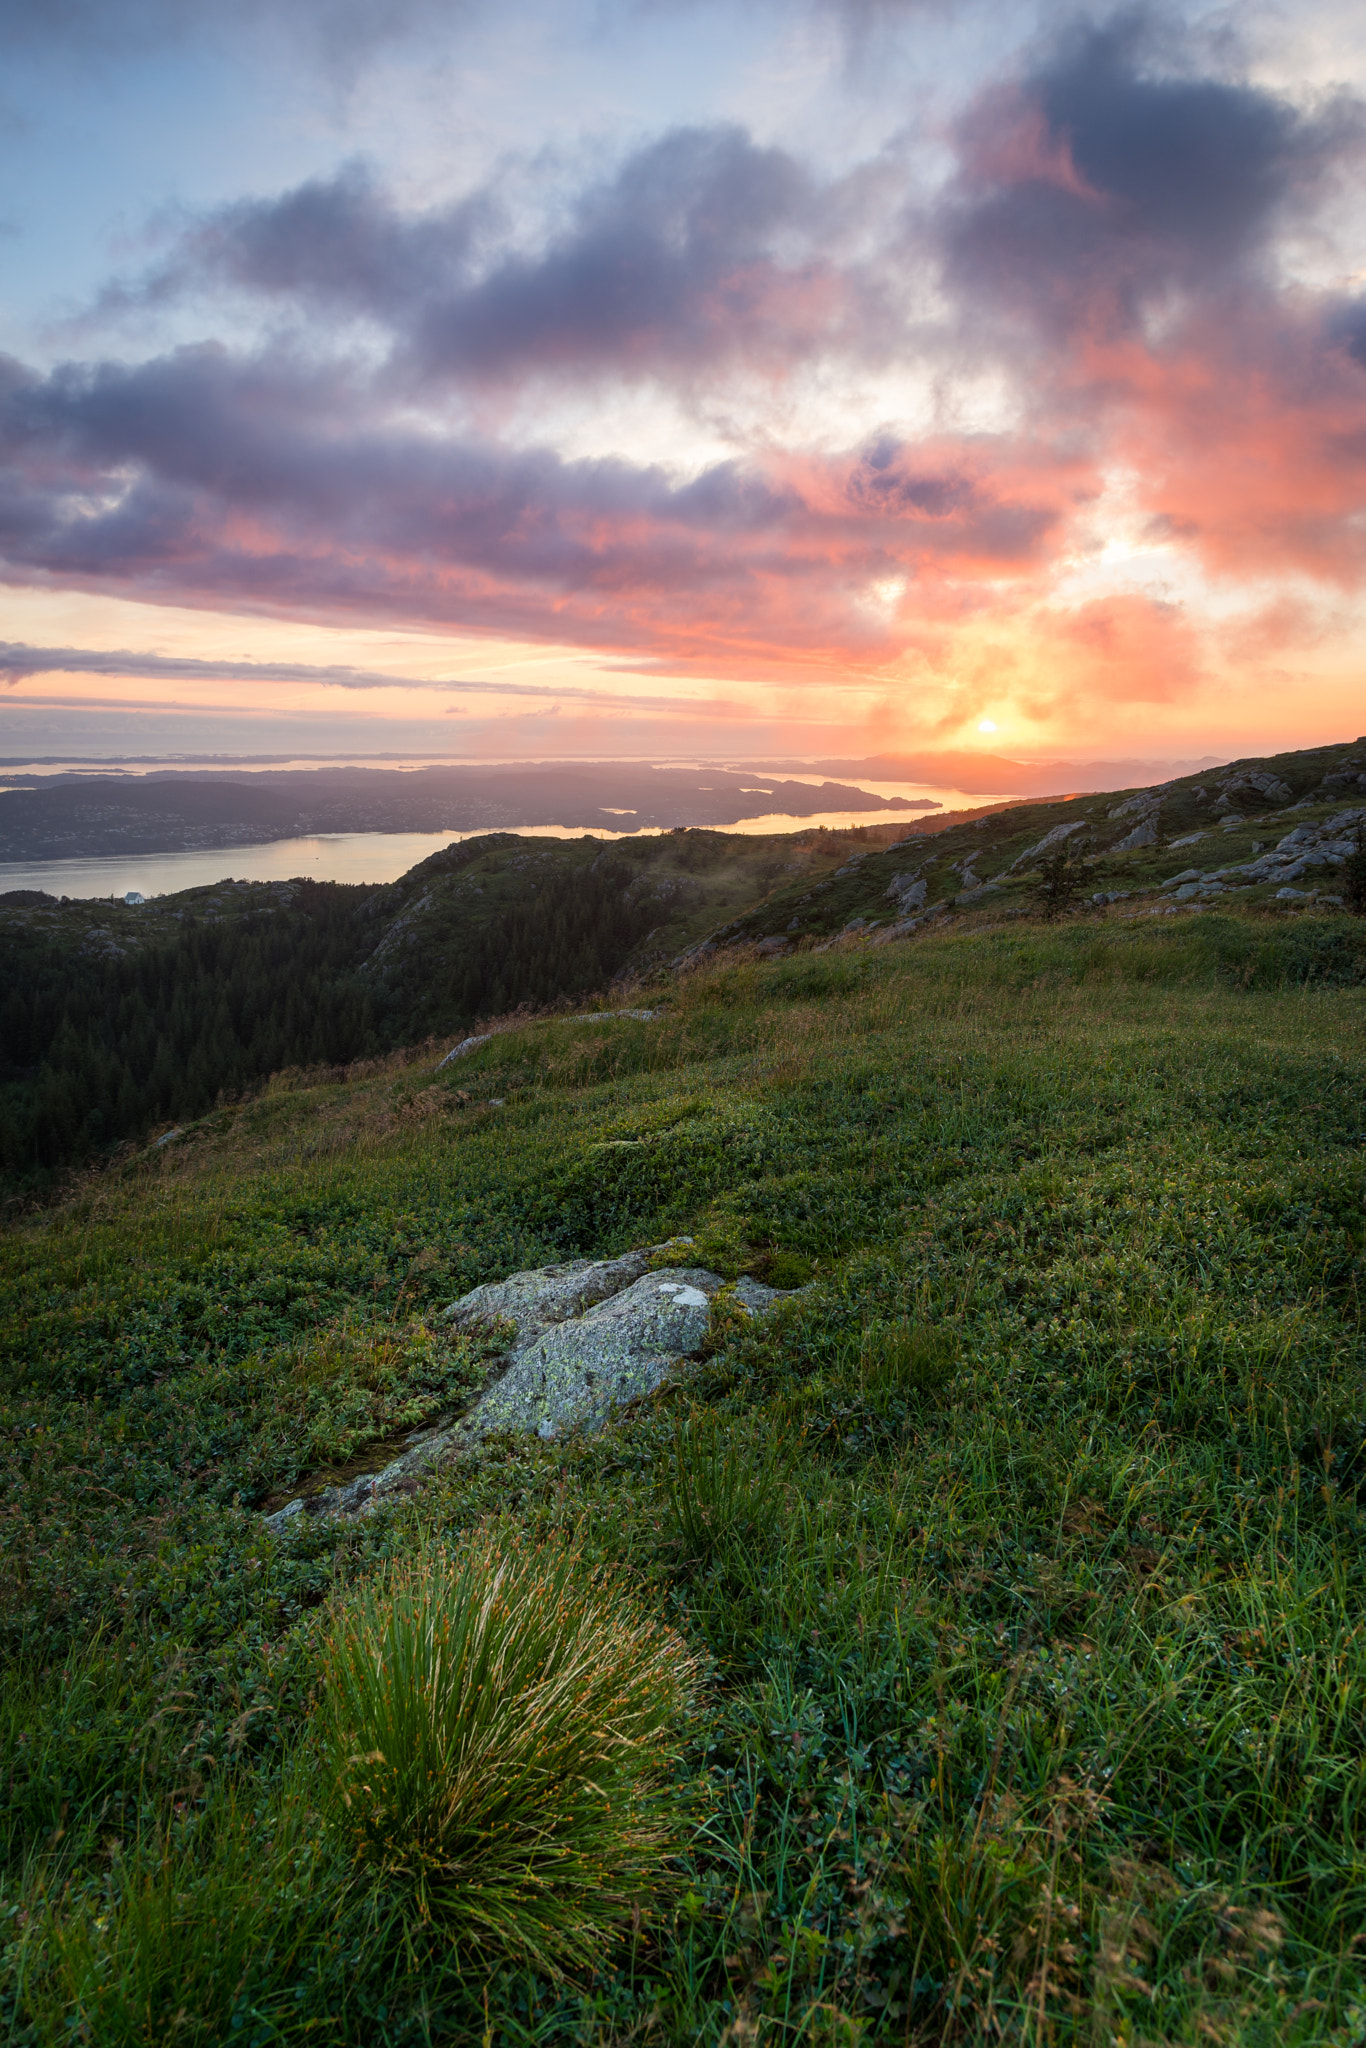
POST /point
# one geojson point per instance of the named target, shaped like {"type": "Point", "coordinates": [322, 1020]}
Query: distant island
{"type": "Point", "coordinates": [77, 815]}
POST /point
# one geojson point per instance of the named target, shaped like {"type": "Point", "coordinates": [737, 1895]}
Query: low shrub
{"type": "Point", "coordinates": [782, 1269]}
{"type": "Point", "coordinates": [500, 1722]}
{"type": "Point", "coordinates": [1354, 877]}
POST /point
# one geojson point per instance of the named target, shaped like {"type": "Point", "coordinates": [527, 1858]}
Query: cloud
{"type": "Point", "coordinates": [1105, 192]}
{"type": "Point", "coordinates": [1093, 189]}
{"type": "Point", "coordinates": [1108, 249]}
{"type": "Point", "coordinates": [337, 33]}
{"type": "Point", "coordinates": [702, 249]}
{"type": "Point", "coordinates": [348, 29]}
{"type": "Point", "coordinates": [19, 662]}
{"type": "Point", "coordinates": [1347, 325]}
{"type": "Point", "coordinates": [331, 245]}
{"type": "Point", "coordinates": [212, 477]}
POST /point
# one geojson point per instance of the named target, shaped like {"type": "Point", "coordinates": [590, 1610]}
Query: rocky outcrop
{"type": "Point", "coordinates": [583, 1339]}
{"type": "Point", "coordinates": [1256, 783]}
{"type": "Point", "coordinates": [1326, 845]}
{"type": "Point", "coordinates": [466, 1045]}
{"type": "Point", "coordinates": [606, 1016]}
{"type": "Point", "coordinates": [574, 1371]}
{"type": "Point", "coordinates": [1144, 834]}
{"type": "Point", "coordinates": [1347, 779]}
{"type": "Point", "coordinates": [908, 892]}
{"type": "Point", "coordinates": [1049, 840]}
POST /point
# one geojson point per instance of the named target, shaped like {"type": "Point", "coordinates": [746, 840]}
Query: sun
{"type": "Point", "coordinates": [987, 725]}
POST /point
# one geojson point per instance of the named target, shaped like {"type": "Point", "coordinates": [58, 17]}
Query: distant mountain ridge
{"type": "Point", "coordinates": [998, 775]}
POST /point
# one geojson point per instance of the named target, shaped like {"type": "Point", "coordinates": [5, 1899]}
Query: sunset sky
{"type": "Point", "coordinates": [554, 377]}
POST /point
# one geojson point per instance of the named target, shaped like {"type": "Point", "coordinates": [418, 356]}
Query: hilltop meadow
{"type": "Point", "coordinates": [984, 1630]}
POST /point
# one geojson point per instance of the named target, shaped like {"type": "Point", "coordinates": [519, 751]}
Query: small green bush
{"type": "Point", "coordinates": [500, 1721]}
{"type": "Point", "coordinates": [719, 1492]}
{"type": "Point", "coordinates": [1062, 875]}
{"type": "Point", "coordinates": [782, 1269]}
{"type": "Point", "coordinates": [907, 1360]}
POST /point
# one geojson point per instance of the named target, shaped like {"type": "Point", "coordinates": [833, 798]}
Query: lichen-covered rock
{"type": "Point", "coordinates": [532, 1301]}
{"type": "Point", "coordinates": [591, 1336]}
{"type": "Point", "coordinates": [586, 1337]}
{"type": "Point", "coordinates": [619, 1349]}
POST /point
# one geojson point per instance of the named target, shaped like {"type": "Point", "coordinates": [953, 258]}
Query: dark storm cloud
{"type": "Point", "coordinates": [1107, 178]}
{"type": "Point", "coordinates": [671, 263]}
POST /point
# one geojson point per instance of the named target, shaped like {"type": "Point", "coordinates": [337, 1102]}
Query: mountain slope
{"type": "Point", "coordinates": [1239, 834]}
{"type": "Point", "coordinates": [117, 1017]}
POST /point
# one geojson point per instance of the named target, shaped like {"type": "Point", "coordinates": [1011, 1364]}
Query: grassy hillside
{"type": "Point", "coordinates": [117, 1018]}
{"type": "Point", "coordinates": [1022, 1570]}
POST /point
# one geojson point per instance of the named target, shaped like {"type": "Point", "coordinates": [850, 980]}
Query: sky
{"type": "Point", "coordinates": [649, 377]}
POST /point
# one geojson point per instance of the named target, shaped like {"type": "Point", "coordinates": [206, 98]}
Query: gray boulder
{"type": "Point", "coordinates": [1144, 834]}
{"type": "Point", "coordinates": [590, 1336]}
{"type": "Point", "coordinates": [1256, 782]}
{"type": "Point", "coordinates": [584, 1338]}
{"type": "Point", "coordinates": [466, 1045]}
{"type": "Point", "coordinates": [620, 1349]}
{"type": "Point", "coordinates": [1049, 840]}
{"type": "Point", "coordinates": [532, 1301]}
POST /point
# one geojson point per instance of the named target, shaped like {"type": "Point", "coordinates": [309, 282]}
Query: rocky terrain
{"type": "Point", "coordinates": [1257, 832]}
{"type": "Point", "coordinates": [581, 1340]}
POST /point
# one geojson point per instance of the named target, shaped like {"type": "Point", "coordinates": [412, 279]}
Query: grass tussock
{"type": "Point", "coordinates": [500, 1721]}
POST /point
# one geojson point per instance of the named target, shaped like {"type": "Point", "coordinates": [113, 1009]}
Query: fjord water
{"type": "Point", "coordinates": [383, 856]}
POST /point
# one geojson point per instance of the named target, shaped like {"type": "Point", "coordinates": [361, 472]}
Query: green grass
{"type": "Point", "coordinates": [499, 1721]}
{"type": "Point", "coordinates": [1021, 1556]}
{"type": "Point", "coordinates": [721, 1492]}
